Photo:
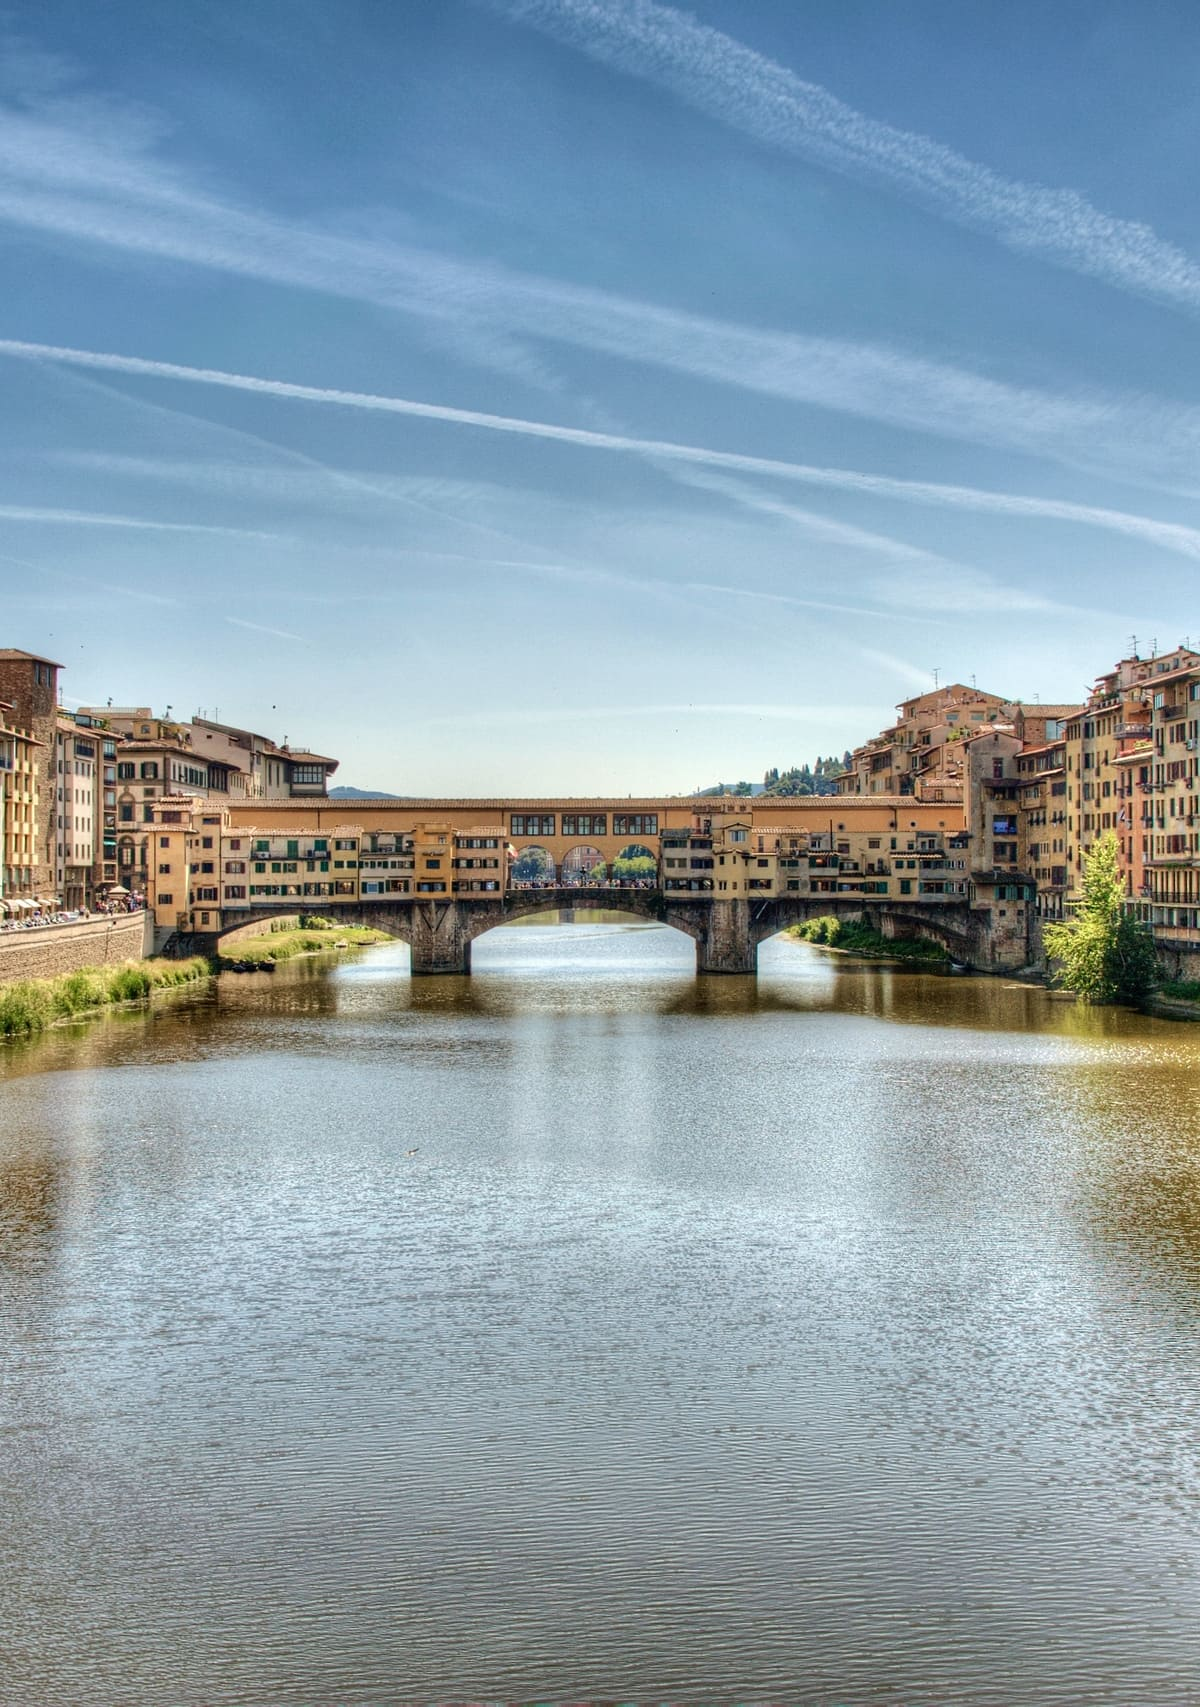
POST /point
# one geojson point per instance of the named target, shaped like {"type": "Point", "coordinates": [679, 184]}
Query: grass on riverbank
{"type": "Point", "coordinates": [853, 937]}
{"type": "Point", "coordinates": [286, 944]}
{"type": "Point", "coordinates": [1186, 991]}
{"type": "Point", "coordinates": [35, 1003]}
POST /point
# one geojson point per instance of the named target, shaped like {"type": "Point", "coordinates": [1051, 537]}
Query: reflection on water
{"type": "Point", "coordinates": [584, 1328]}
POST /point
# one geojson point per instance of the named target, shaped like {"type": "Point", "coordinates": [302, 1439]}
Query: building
{"type": "Point", "coordinates": [78, 816]}
{"type": "Point", "coordinates": [29, 685]}
{"type": "Point", "coordinates": [155, 757]}
{"type": "Point", "coordinates": [19, 766]}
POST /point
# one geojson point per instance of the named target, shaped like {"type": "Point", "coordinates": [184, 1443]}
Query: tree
{"type": "Point", "coordinates": [635, 866]}
{"type": "Point", "coordinates": [1106, 956]}
{"type": "Point", "coordinates": [533, 865]}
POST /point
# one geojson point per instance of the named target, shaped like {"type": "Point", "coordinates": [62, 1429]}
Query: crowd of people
{"type": "Point", "coordinates": [45, 913]}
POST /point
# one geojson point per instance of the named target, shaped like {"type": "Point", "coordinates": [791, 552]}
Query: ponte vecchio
{"type": "Point", "coordinates": [728, 871]}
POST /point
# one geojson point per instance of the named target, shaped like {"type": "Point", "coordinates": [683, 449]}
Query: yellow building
{"type": "Point", "coordinates": [19, 812]}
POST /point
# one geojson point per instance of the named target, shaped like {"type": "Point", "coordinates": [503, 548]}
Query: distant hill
{"type": "Point", "coordinates": [799, 780]}
{"type": "Point", "coordinates": [360, 794]}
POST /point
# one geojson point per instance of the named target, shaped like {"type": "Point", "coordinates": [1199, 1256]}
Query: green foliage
{"type": "Point", "coordinates": [286, 944]}
{"type": "Point", "coordinates": [599, 873]}
{"type": "Point", "coordinates": [635, 866]}
{"type": "Point", "coordinates": [1104, 954]}
{"type": "Point", "coordinates": [317, 922]}
{"type": "Point", "coordinates": [1185, 990]}
{"type": "Point", "coordinates": [532, 865]}
{"type": "Point", "coordinates": [827, 929]}
{"type": "Point", "coordinates": [800, 780]}
{"type": "Point", "coordinates": [855, 936]}
{"type": "Point", "coordinates": [35, 1003]}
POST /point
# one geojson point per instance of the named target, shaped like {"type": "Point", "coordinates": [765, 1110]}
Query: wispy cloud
{"type": "Point", "coordinates": [814, 714]}
{"type": "Point", "coordinates": [100, 519]}
{"type": "Point", "coordinates": [262, 628]}
{"type": "Point", "coordinates": [1168, 536]}
{"type": "Point", "coordinates": [905, 671]}
{"type": "Point", "coordinates": [756, 95]}
{"type": "Point", "coordinates": [91, 174]}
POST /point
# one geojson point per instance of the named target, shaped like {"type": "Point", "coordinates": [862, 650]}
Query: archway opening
{"type": "Point", "coordinates": [533, 868]}
{"type": "Point", "coordinates": [635, 867]}
{"type": "Point", "coordinates": [584, 867]}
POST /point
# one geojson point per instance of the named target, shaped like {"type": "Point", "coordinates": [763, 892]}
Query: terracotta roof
{"type": "Point", "coordinates": [15, 652]}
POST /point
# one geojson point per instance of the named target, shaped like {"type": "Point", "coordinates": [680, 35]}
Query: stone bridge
{"type": "Point", "coordinates": [727, 933]}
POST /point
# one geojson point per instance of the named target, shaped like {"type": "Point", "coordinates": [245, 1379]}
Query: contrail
{"type": "Point", "coordinates": [750, 93]}
{"type": "Point", "coordinates": [1170, 536]}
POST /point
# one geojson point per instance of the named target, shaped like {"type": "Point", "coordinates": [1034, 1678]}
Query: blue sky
{"type": "Point", "coordinates": [592, 395]}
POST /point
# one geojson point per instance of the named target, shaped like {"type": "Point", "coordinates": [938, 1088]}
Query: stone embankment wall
{"type": "Point", "coordinates": [52, 949]}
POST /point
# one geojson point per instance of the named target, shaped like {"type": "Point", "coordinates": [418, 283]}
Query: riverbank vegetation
{"type": "Point", "coordinates": [1103, 954]}
{"type": "Point", "coordinates": [854, 936]}
{"type": "Point", "coordinates": [35, 1003]}
{"type": "Point", "coordinates": [290, 938]}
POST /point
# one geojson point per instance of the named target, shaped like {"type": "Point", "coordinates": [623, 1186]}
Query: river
{"type": "Point", "coordinates": [584, 1330]}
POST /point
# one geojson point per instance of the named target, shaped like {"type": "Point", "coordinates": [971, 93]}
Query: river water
{"type": "Point", "coordinates": [587, 1330]}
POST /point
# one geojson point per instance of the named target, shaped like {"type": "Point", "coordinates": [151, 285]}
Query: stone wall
{"type": "Point", "coordinates": [51, 949]}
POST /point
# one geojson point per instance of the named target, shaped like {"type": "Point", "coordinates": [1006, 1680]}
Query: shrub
{"type": "Point", "coordinates": [78, 991]}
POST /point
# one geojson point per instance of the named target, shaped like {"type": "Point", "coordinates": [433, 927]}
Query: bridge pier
{"type": "Point", "coordinates": [440, 938]}
{"type": "Point", "coordinates": [726, 943]}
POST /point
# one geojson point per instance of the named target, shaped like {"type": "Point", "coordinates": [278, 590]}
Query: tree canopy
{"type": "Point", "coordinates": [1104, 954]}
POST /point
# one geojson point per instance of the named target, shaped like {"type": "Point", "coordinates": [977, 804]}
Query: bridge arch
{"type": "Point", "coordinates": [533, 867]}
{"type": "Point", "coordinates": [578, 865]}
{"type": "Point", "coordinates": [638, 904]}
{"type": "Point", "coordinates": [636, 863]}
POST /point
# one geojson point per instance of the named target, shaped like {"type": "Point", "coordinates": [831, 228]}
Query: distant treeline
{"type": "Point", "coordinates": [800, 779]}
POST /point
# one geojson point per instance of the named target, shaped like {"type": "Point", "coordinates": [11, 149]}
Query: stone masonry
{"type": "Point", "coordinates": [53, 949]}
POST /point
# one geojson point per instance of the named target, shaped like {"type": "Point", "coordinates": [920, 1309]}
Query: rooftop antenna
{"type": "Point", "coordinates": [1133, 646]}
{"type": "Point", "coordinates": [936, 680]}
{"type": "Point", "coordinates": [1154, 647]}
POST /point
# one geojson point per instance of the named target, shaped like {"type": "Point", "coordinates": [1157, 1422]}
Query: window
{"type": "Point", "coordinates": [638, 824]}
{"type": "Point", "coordinates": [1004, 826]}
{"type": "Point", "coordinates": [125, 771]}
{"type": "Point", "coordinates": [125, 814]}
{"type": "Point", "coordinates": [166, 900]}
{"type": "Point", "coordinates": [532, 824]}
{"type": "Point", "coordinates": [308, 775]}
{"type": "Point", "coordinates": [149, 769]}
{"type": "Point", "coordinates": [164, 871]}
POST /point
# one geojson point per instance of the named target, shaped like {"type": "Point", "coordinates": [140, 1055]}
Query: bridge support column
{"type": "Point", "coordinates": [727, 944]}
{"type": "Point", "coordinates": [439, 939]}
